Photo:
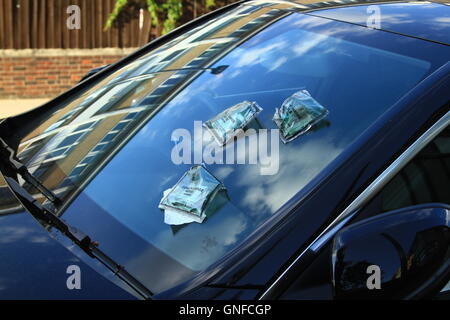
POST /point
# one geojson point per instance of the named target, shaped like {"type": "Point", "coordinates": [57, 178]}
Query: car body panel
{"type": "Point", "coordinates": [34, 265]}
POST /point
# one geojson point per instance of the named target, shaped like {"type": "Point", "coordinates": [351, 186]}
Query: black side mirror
{"type": "Point", "coordinates": [90, 73]}
{"type": "Point", "coordinates": [403, 254]}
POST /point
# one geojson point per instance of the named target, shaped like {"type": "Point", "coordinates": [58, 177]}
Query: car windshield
{"type": "Point", "coordinates": [109, 151]}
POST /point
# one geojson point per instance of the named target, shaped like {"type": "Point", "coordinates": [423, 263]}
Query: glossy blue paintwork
{"type": "Point", "coordinates": [33, 265]}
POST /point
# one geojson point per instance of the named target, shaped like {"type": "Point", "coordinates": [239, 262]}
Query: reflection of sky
{"type": "Point", "coordinates": [26, 233]}
{"type": "Point", "coordinates": [298, 166]}
{"type": "Point", "coordinates": [428, 20]}
{"type": "Point", "coordinates": [267, 69]}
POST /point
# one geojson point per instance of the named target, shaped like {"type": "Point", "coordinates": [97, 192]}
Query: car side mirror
{"type": "Point", "coordinates": [90, 73]}
{"type": "Point", "coordinates": [402, 254]}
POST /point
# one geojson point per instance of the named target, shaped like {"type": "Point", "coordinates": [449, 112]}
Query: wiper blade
{"type": "Point", "coordinates": [20, 169]}
{"type": "Point", "coordinates": [79, 238]}
{"type": "Point", "coordinates": [214, 70]}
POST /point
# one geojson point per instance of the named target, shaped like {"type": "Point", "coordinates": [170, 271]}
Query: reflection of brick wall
{"type": "Point", "coordinates": [47, 73]}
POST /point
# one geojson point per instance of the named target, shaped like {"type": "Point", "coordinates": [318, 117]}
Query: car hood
{"type": "Point", "coordinates": [34, 265]}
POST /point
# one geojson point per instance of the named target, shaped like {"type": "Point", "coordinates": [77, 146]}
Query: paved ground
{"type": "Point", "coordinates": [13, 107]}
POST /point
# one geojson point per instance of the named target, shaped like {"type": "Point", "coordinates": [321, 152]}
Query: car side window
{"type": "Point", "coordinates": [424, 179]}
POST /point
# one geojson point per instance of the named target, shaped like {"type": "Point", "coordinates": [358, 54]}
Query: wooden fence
{"type": "Point", "coordinates": [40, 24]}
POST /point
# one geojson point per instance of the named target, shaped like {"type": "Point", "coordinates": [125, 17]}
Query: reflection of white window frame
{"type": "Point", "coordinates": [131, 116]}
{"type": "Point", "coordinates": [31, 146]}
{"type": "Point", "coordinates": [42, 159]}
{"type": "Point", "coordinates": [123, 122]}
{"type": "Point", "coordinates": [82, 133]}
{"type": "Point", "coordinates": [93, 153]}
{"type": "Point", "coordinates": [98, 145]}
{"type": "Point", "coordinates": [54, 126]}
{"type": "Point", "coordinates": [74, 176]}
{"type": "Point", "coordinates": [111, 133]}
{"type": "Point", "coordinates": [84, 162]}
{"type": "Point", "coordinates": [66, 116]}
{"type": "Point", "coordinates": [88, 125]}
{"type": "Point", "coordinates": [61, 156]}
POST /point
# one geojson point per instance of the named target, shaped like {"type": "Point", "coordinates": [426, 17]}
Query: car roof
{"type": "Point", "coordinates": [427, 20]}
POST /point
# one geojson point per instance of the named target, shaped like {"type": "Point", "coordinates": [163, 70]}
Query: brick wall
{"type": "Point", "coordinates": [46, 73]}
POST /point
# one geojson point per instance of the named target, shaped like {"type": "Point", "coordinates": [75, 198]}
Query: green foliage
{"type": "Point", "coordinates": [210, 3]}
{"type": "Point", "coordinates": [174, 11]}
{"type": "Point", "coordinates": [153, 8]}
{"type": "Point", "coordinates": [120, 4]}
{"type": "Point", "coordinates": [162, 12]}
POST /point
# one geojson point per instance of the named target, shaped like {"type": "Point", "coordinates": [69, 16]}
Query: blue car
{"type": "Point", "coordinates": [267, 150]}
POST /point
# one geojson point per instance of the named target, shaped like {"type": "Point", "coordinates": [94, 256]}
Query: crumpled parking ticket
{"type": "Point", "coordinates": [190, 198]}
{"type": "Point", "coordinates": [226, 124]}
{"type": "Point", "coordinates": [298, 114]}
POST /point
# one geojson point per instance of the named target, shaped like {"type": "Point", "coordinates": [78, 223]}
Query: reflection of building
{"type": "Point", "coordinates": [8, 203]}
{"type": "Point", "coordinates": [65, 151]}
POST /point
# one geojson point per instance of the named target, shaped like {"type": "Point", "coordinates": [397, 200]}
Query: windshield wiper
{"type": "Point", "coordinates": [214, 70]}
{"type": "Point", "coordinates": [79, 238]}
{"type": "Point", "coordinates": [41, 213]}
{"type": "Point", "coordinates": [19, 168]}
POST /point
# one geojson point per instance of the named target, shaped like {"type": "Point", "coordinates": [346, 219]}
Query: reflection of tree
{"type": "Point", "coordinates": [355, 276]}
{"type": "Point", "coordinates": [427, 251]}
{"type": "Point", "coordinates": [428, 245]}
{"type": "Point", "coordinates": [350, 275]}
